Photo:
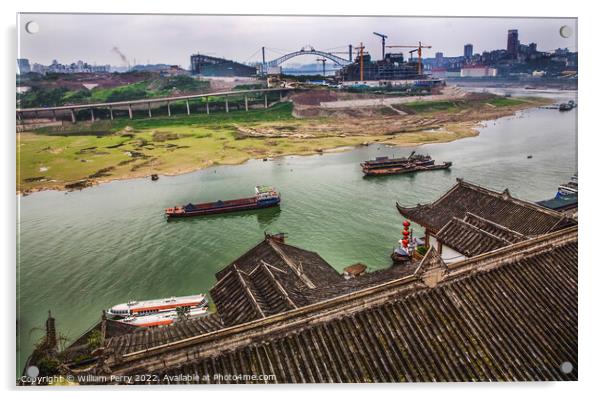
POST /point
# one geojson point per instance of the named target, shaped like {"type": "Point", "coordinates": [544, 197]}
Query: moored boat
{"type": "Point", "coordinates": [409, 168]}
{"type": "Point", "coordinates": [151, 306]}
{"type": "Point", "coordinates": [265, 197]}
{"type": "Point", "coordinates": [569, 188]}
{"type": "Point", "coordinates": [163, 318]}
{"type": "Point", "coordinates": [386, 162]}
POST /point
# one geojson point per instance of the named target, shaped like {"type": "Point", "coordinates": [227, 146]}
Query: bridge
{"type": "Point", "coordinates": [309, 50]}
{"type": "Point", "coordinates": [22, 113]}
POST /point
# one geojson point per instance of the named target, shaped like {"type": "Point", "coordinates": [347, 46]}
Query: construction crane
{"type": "Point", "coordinates": [323, 61]}
{"type": "Point", "coordinates": [361, 54]}
{"type": "Point", "coordinates": [416, 48]}
{"type": "Point", "coordinates": [382, 37]}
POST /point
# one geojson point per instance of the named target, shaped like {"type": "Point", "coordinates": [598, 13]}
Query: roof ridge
{"type": "Point", "coordinates": [495, 224]}
{"type": "Point", "coordinates": [481, 230]}
{"type": "Point", "coordinates": [298, 269]}
{"type": "Point", "coordinates": [522, 249]}
{"type": "Point", "coordinates": [505, 194]}
{"type": "Point", "coordinates": [267, 266]}
{"type": "Point", "coordinates": [247, 290]}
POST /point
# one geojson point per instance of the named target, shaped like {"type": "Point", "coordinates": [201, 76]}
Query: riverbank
{"type": "Point", "coordinates": [78, 156]}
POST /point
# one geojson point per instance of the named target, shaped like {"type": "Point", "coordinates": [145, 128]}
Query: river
{"type": "Point", "coordinates": [83, 251]}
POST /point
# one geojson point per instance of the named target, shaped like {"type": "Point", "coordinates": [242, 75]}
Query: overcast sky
{"type": "Point", "coordinates": [171, 39]}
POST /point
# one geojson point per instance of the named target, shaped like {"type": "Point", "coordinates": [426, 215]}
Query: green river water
{"type": "Point", "coordinates": [81, 252]}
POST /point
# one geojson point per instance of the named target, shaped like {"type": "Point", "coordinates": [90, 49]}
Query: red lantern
{"type": "Point", "coordinates": [406, 224]}
{"type": "Point", "coordinates": [405, 243]}
{"type": "Point", "coordinates": [406, 233]}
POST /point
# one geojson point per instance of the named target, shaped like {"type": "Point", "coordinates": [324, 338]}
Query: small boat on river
{"type": "Point", "coordinates": [163, 318]}
{"type": "Point", "coordinates": [265, 197]}
{"type": "Point", "coordinates": [152, 306]}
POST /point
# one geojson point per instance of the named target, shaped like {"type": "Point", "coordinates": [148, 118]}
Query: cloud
{"type": "Point", "coordinates": [171, 39]}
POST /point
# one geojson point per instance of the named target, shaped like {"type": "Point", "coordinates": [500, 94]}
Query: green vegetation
{"type": "Point", "coordinates": [421, 250]}
{"type": "Point", "coordinates": [94, 339]}
{"type": "Point", "coordinates": [43, 96]}
{"type": "Point", "coordinates": [456, 105]}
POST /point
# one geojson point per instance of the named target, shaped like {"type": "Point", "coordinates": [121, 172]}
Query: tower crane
{"type": "Point", "coordinates": [323, 61]}
{"type": "Point", "coordinates": [416, 48]}
{"type": "Point", "coordinates": [361, 54]}
{"type": "Point", "coordinates": [383, 38]}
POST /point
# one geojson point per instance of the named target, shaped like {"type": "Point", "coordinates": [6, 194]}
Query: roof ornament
{"type": "Point", "coordinates": [432, 269]}
{"type": "Point", "coordinates": [506, 194]}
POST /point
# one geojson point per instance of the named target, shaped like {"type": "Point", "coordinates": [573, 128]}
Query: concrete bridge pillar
{"type": "Point", "coordinates": [227, 110]}
{"type": "Point", "coordinates": [19, 116]}
{"type": "Point", "coordinates": [168, 109]}
{"type": "Point", "coordinates": [130, 111]}
{"type": "Point", "coordinates": [265, 100]}
{"type": "Point", "coordinates": [150, 114]}
{"type": "Point", "coordinates": [246, 103]}
{"type": "Point", "coordinates": [280, 95]}
{"type": "Point", "coordinates": [72, 115]}
{"type": "Point", "coordinates": [187, 107]}
{"type": "Point", "coordinates": [111, 112]}
{"type": "Point", "coordinates": [207, 104]}
{"type": "Point", "coordinates": [54, 115]}
{"type": "Point", "coordinates": [92, 114]}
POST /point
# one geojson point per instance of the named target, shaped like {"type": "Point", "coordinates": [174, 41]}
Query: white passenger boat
{"type": "Point", "coordinates": [162, 318]}
{"type": "Point", "coordinates": [151, 306]}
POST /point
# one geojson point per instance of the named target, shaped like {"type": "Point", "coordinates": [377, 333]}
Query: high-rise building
{"type": "Point", "coordinates": [468, 51]}
{"type": "Point", "coordinates": [23, 66]}
{"type": "Point", "coordinates": [513, 43]}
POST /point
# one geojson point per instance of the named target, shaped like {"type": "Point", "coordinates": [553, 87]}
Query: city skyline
{"type": "Point", "coordinates": [172, 39]}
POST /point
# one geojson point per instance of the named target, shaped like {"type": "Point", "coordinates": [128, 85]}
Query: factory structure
{"type": "Point", "coordinates": [206, 65]}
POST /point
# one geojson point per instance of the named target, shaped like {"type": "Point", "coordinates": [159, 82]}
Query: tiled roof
{"type": "Point", "coordinates": [144, 338]}
{"type": "Point", "coordinates": [270, 278]}
{"type": "Point", "coordinates": [510, 315]}
{"type": "Point", "coordinates": [501, 208]}
{"type": "Point", "coordinates": [468, 239]}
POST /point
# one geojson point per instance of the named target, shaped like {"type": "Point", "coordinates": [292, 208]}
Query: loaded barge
{"type": "Point", "coordinates": [265, 197]}
{"type": "Point", "coordinates": [393, 166]}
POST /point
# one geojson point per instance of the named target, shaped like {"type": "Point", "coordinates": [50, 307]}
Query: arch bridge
{"type": "Point", "coordinates": [309, 50]}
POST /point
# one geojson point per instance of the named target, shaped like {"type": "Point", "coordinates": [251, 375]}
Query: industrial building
{"type": "Point", "coordinates": [477, 71]}
{"type": "Point", "coordinates": [393, 67]}
{"type": "Point", "coordinates": [212, 66]}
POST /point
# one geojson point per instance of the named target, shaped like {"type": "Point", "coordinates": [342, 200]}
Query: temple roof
{"type": "Point", "coordinates": [272, 277]}
{"type": "Point", "coordinates": [505, 315]}
{"type": "Point", "coordinates": [468, 239]}
{"type": "Point", "coordinates": [501, 208]}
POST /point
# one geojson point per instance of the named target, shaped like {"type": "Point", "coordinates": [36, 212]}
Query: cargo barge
{"type": "Point", "coordinates": [406, 169]}
{"type": "Point", "coordinates": [265, 197]}
{"type": "Point", "coordinates": [386, 162]}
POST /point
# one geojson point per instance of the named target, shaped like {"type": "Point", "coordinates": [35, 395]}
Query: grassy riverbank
{"type": "Point", "coordinates": [83, 154]}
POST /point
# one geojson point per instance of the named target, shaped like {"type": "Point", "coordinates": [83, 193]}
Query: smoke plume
{"type": "Point", "coordinates": [124, 59]}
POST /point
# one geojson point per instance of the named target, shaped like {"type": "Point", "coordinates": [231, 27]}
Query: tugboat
{"type": "Point", "coordinates": [265, 197]}
{"type": "Point", "coordinates": [153, 306]}
{"type": "Point", "coordinates": [162, 318]}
